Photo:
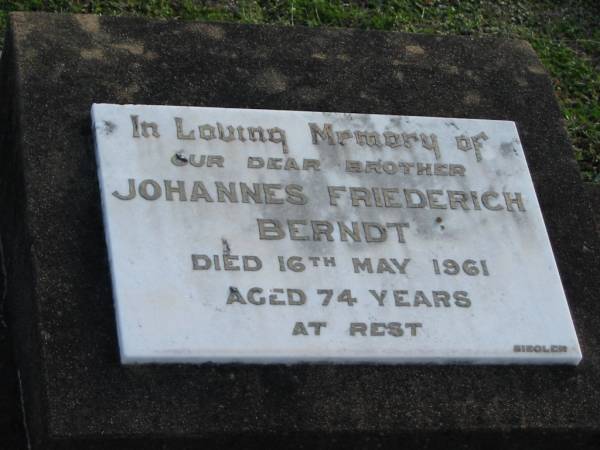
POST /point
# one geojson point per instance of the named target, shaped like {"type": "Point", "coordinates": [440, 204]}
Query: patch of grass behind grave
{"type": "Point", "coordinates": [566, 36]}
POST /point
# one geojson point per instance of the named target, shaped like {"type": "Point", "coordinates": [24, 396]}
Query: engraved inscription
{"type": "Point", "coordinates": [288, 236]}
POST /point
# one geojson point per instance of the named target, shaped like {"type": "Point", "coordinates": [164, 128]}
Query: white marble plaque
{"type": "Point", "coordinates": [262, 236]}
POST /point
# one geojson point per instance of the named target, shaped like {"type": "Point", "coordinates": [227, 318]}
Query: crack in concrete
{"type": "Point", "coordinates": [4, 285]}
{"type": "Point", "coordinates": [23, 414]}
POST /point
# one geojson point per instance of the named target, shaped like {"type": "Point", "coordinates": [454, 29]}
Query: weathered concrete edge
{"type": "Point", "coordinates": [19, 304]}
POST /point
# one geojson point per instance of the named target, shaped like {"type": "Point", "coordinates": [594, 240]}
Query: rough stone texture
{"type": "Point", "coordinates": [60, 304]}
{"type": "Point", "coordinates": [593, 191]}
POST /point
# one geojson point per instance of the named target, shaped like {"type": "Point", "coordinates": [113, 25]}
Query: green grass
{"type": "Point", "coordinates": [565, 34]}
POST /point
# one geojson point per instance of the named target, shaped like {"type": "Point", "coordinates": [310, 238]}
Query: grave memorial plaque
{"type": "Point", "coordinates": [266, 236]}
{"type": "Point", "coordinates": [61, 304]}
